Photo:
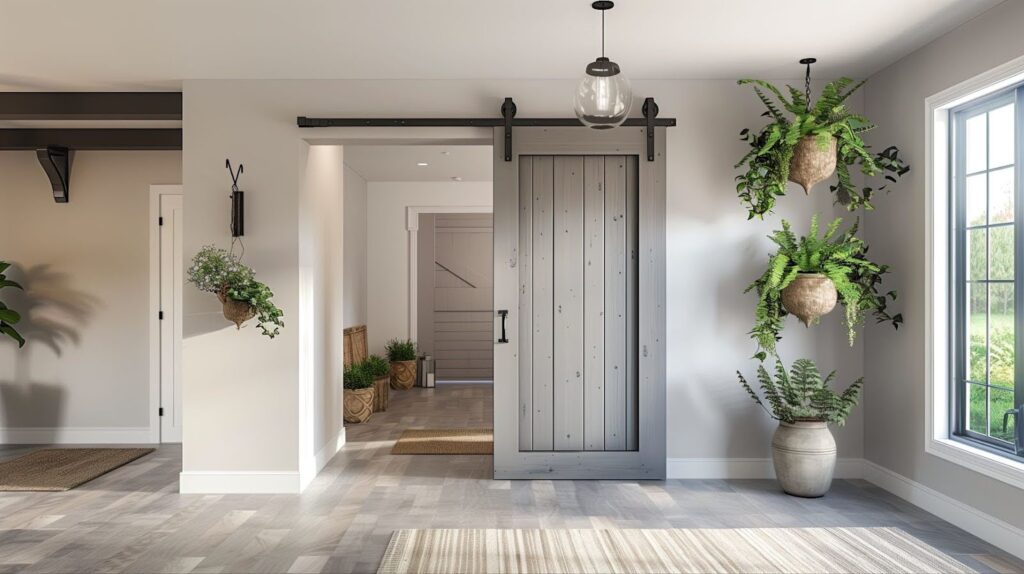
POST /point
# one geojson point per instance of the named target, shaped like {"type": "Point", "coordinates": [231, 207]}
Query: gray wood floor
{"type": "Point", "coordinates": [134, 520]}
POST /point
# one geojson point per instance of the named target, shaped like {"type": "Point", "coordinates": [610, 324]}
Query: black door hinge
{"type": "Point", "coordinates": [161, 411]}
{"type": "Point", "coordinates": [161, 315]}
{"type": "Point", "coordinates": [160, 221]}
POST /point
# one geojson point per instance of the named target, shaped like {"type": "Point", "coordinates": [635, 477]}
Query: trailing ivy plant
{"type": "Point", "coordinates": [399, 350]}
{"type": "Point", "coordinates": [771, 148]}
{"type": "Point", "coordinates": [219, 271]}
{"type": "Point", "coordinates": [842, 257]}
{"type": "Point", "coordinates": [801, 394]}
{"type": "Point", "coordinates": [9, 317]}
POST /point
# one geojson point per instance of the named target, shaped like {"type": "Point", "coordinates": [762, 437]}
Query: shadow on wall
{"type": "Point", "coordinates": [53, 312]}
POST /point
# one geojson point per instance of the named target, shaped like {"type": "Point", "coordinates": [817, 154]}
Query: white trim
{"type": "Point", "coordinates": [329, 450]}
{"type": "Point", "coordinates": [989, 528]}
{"type": "Point", "coordinates": [239, 482]}
{"type": "Point", "coordinates": [937, 302]}
{"type": "Point", "coordinates": [412, 225]}
{"type": "Point", "coordinates": [744, 468]}
{"type": "Point", "coordinates": [155, 191]}
{"type": "Point", "coordinates": [76, 435]}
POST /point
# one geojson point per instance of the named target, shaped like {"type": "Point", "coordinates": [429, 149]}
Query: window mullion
{"type": "Point", "coordinates": [1018, 260]}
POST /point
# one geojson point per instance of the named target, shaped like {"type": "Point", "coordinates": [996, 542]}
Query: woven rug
{"type": "Point", "coordinates": [445, 441]}
{"type": "Point", "coordinates": [57, 469]}
{"type": "Point", "coordinates": [741, 550]}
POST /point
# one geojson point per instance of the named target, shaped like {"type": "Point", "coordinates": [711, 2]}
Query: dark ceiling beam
{"type": "Point", "coordinates": [91, 139]}
{"type": "Point", "coordinates": [90, 105]}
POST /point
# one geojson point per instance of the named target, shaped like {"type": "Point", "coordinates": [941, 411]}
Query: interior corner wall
{"type": "Point", "coordinates": [85, 308]}
{"type": "Point", "coordinates": [388, 247]}
{"type": "Point", "coordinates": [321, 324]}
{"type": "Point", "coordinates": [894, 362]}
{"type": "Point", "coordinates": [355, 249]}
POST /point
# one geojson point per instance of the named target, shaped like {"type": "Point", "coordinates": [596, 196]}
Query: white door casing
{"type": "Point", "coordinates": [167, 278]}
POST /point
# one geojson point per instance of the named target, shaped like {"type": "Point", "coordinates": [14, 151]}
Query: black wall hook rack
{"type": "Point", "coordinates": [507, 120]}
{"type": "Point", "coordinates": [237, 201]}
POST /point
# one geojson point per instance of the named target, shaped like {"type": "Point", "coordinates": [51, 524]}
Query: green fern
{"type": "Point", "coordinates": [840, 256]}
{"type": "Point", "coordinates": [766, 163]}
{"type": "Point", "coordinates": [801, 394]}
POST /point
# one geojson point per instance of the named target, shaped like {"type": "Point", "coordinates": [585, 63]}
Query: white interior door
{"type": "Point", "coordinates": [171, 284]}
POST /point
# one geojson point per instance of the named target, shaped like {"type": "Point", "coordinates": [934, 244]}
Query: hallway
{"type": "Point", "coordinates": [134, 520]}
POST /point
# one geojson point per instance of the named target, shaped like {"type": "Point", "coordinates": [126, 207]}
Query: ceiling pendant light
{"type": "Point", "coordinates": [603, 97]}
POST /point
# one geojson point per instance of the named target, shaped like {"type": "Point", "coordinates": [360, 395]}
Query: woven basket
{"type": "Point", "coordinates": [358, 404]}
{"type": "Point", "coordinates": [403, 374]}
{"type": "Point", "coordinates": [811, 164]}
{"type": "Point", "coordinates": [237, 312]}
{"type": "Point", "coordinates": [809, 296]}
{"type": "Point", "coordinates": [380, 398]}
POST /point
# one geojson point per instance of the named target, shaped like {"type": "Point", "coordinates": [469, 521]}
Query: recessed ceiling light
{"type": "Point", "coordinates": [446, 153]}
{"type": "Point", "coordinates": [456, 178]}
{"type": "Point", "coordinates": [422, 163]}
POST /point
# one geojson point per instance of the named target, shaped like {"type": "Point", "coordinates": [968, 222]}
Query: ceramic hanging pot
{"type": "Point", "coordinates": [237, 312]}
{"type": "Point", "coordinates": [811, 163]}
{"type": "Point", "coordinates": [809, 296]}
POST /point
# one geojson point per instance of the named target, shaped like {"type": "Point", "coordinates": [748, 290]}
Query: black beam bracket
{"type": "Point", "coordinates": [506, 121]}
{"type": "Point", "coordinates": [56, 162]}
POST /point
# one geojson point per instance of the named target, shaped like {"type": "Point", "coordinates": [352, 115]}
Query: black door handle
{"type": "Point", "coordinates": [504, 315]}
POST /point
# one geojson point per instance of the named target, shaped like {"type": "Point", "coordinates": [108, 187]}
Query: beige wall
{"type": "Point", "coordinates": [355, 249]}
{"type": "Point", "coordinates": [85, 268]}
{"type": "Point", "coordinates": [387, 269]}
{"type": "Point", "coordinates": [894, 363]}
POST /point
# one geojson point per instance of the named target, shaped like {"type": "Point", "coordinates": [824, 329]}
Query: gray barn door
{"type": "Point", "coordinates": [579, 237]}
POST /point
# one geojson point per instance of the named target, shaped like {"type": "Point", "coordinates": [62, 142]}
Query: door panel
{"type": "Point", "coordinates": [171, 283]}
{"type": "Point", "coordinates": [580, 380]}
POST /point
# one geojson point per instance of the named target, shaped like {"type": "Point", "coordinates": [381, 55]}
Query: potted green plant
{"type": "Point", "coordinates": [806, 276]}
{"type": "Point", "coordinates": [380, 370]}
{"type": "Point", "coordinates": [358, 394]}
{"type": "Point", "coordinates": [803, 449]}
{"type": "Point", "coordinates": [806, 146]}
{"type": "Point", "coordinates": [402, 355]}
{"type": "Point", "coordinates": [243, 297]}
{"type": "Point", "coordinates": [9, 317]}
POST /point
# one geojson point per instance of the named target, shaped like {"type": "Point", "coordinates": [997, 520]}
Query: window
{"type": "Point", "coordinates": [987, 263]}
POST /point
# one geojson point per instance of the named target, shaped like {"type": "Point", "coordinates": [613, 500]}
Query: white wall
{"type": "Point", "coordinates": [713, 253]}
{"type": "Point", "coordinates": [388, 247]}
{"type": "Point", "coordinates": [85, 268]}
{"type": "Point", "coordinates": [895, 362]}
{"type": "Point", "coordinates": [355, 249]}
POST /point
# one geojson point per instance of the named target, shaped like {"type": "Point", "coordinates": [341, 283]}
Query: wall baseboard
{"type": "Point", "coordinates": [238, 482]}
{"type": "Point", "coordinates": [76, 435]}
{"type": "Point", "coordinates": [984, 526]}
{"type": "Point", "coordinates": [989, 528]}
{"type": "Point", "coordinates": [720, 468]}
{"type": "Point", "coordinates": [325, 454]}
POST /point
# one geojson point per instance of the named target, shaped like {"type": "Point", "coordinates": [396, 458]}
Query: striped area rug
{"type": "Point", "coordinates": [740, 550]}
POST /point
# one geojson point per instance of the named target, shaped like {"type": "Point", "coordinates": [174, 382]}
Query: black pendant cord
{"type": "Point", "coordinates": [602, 32]}
{"type": "Point", "coordinates": [807, 80]}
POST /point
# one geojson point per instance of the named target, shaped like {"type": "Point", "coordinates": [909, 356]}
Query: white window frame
{"type": "Point", "coordinates": [938, 190]}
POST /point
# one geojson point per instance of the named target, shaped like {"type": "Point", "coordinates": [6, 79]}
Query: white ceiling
{"type": "Point", "coordinates": [155, 44]}
{"type": "Point", "coordinates": [399, 162]}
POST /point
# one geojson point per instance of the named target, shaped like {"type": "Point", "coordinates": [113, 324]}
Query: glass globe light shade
{"type": "Point", "coordinates": [603, 97]}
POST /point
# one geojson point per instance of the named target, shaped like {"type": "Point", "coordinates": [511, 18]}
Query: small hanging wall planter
{"type": "Point", "coordinates": [238, 312]}
{"type": "Point", "coordinates": [807, 142]}
{"type": "Point", "coordinates": [809, 297]}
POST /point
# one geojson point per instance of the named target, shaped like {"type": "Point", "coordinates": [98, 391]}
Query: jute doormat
{"type": "Point", "coordinates": [739, 550]}
{"type": "Point", "coordinates": [58, 469]}
{"type": "Point", "coordinates": [445, 441]}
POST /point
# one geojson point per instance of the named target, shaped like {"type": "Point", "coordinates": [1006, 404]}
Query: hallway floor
{"type": "Point", "coordinates": [134, 520]}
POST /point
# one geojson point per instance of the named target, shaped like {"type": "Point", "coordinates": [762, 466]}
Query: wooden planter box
{"type": "Point", "coordinates": [358, 404]}
{"type": "Point", "coordinates": [380, 397]}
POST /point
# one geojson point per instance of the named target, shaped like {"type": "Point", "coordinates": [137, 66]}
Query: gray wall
{"type": "Point", "coordinates": [894, 363]}
{"type": "Point", "coordinates": [85, 268]}
{"type": "Point", "coordinates": [355, 248]}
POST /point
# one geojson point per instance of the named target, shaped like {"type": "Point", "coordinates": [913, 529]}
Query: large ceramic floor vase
{"type": "Point", "coordinates": [358, 404]}
{"type": "Point", "coordinates": [804, 454]}
{"type": "Point", "coordinates": [811, 163]}
{"type": "Point", "coordinates": [403, 374]}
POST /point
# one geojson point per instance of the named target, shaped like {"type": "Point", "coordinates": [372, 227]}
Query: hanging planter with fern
{"type": "Point", "coordinates": [806, 276]}
{"type": "Point", "coordinates": [806, 143]}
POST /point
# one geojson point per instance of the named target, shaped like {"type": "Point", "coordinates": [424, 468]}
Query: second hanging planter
{"type": "Point", "coordinates": [809, 297]}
